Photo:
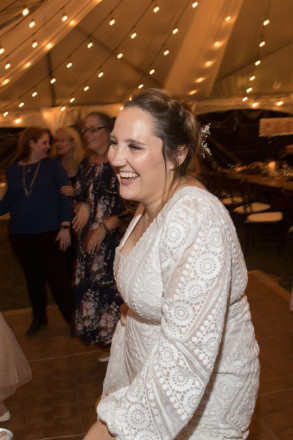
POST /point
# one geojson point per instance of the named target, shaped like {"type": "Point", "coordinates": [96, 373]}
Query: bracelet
{"type": "Point", "coordinates": [105, 227]}
{"type": "Point", "coordinates": [65, 227]}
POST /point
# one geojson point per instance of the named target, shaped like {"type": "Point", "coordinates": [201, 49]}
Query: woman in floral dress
{"type": "Point", "coordinates": [97, 207]}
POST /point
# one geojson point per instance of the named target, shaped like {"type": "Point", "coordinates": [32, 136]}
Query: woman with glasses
{"type": "Point", "coordinates": [97, 206]}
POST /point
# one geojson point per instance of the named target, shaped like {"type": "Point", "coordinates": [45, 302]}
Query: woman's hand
{"type": "Point", "coordinates": [98, 431]}
{"type": "Point", "coordinates": [123, 312]}
{"type": "Point", "coordinates": [64, 239]}
{"type": "Point", "coordinates": [95, 240]}
{"type": "Point", "coordinates": [81, 217]}
{"type": "Point", "coordinates": [67, 190]}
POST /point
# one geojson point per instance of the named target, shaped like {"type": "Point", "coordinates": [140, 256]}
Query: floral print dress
{"type": "Point", "coordinates": [97, 297]}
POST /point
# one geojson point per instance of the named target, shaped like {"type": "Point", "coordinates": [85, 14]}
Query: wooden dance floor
{"type": "Point", "coordinates": [59, 403]}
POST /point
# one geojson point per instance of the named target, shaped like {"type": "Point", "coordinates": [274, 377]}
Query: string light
{"type": "Point", "coordinates": [69, 64]}
{"type": "Point", "coordinates": [166, 52]}
{"type": "Point", "coordinates": [119, 55]}
{"type": "Point", "coordinates": [266, 22]}
{"type": "Point", "coordinates": [34, 44]}
{"type": "Point", "coordinates": [140, 86]}
{"type": "Point", "coordinates": [72, 99]}
{"type": "Point", "coordinates": [90, 44]}
{"type": "Point", "coordinates": [2, 50]}
{"type": "Point", "coordinates": [194, 4]}
{"type": "Point", "coordinates": [25, 12]}
{"type": "Point", "coordinates": [252, 78]}
{"type": "Point", "coordinates": [112, 20]}
{"type": "Point", "coordinates": [228, 18]}
{"type": "Point", "coordinates": [64, 18]}
{"type": "Point", "coordinates": [133, 35]}
{"type": "Point", "coordinates": [63, 108]}
{"type": "Point", "coordinates": [255, 104]}
{"type": "Point", "coordinates": [199, 80]}
{"type": "Point", "coordinates": [156, 9]}
{"type": "Point", "coordinates": [262, 43]}
{"type": "Point", "coordinates": [5, 114]}
{"type": "Point", "coordinates": [27, 65]}
{"type": "Point", "coordinates": [257, 63]}
{"type": "Point", "coordinates": [175, 31]}
{"type": "Point", "coordinates": [100, 74]}
{"type": "Point", "coordinates": [152, 71]}
{"type": "Point", "coordinates": [18, 120]}
{"type": "Point", "coordinates": [53, 80]}
{"type": "Point", "coordinates": [218, 44]}
{"type": "Point", "coordinates": [192, 92]}
{"type": "Point", "coordinates": [209, 63]}
{"type": "Point", "coordinates": [279, 103]}
{"type": "Point", "coordinates": [7, 65]}
{"type": "Point", "coordinates": [21, 104]}
{"type": "Point", "coordinates": [5, 82]}
{"type": "Point", "coordinates": [86, 88]}
{"type": "Point", "coordinates": [249, 90]}
{"type": "Point", "coordinates": [32, 23]}
{"type": "Point", "coordinates": [34, 94]}
{"type": "Point", "coordinates": [244, 99]}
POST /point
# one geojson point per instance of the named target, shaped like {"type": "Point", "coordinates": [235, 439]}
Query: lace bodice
{"type": "Point", "coordinates": [186, 363]}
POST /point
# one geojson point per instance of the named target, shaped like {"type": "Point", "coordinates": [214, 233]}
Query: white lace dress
{"type": "Point", "coordinates": [186, 365]}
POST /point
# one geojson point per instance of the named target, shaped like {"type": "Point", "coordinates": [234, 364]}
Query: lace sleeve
{"type": "Point", "coordinates": [196, 273]}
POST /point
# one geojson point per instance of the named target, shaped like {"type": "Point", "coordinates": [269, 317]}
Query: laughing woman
{"type": "Point", "coordinates": [39, 224]}
{"type": "Point", "coordinates": [184, 359]}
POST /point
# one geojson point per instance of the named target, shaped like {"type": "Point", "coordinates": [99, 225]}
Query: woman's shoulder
{"type": "Point", "coordinates": [196, 195]}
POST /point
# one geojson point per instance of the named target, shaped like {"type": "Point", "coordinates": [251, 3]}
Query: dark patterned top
{"type": "Point", "coordinates": [97, 297]}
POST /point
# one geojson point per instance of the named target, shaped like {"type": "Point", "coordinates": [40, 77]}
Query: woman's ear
{"type": "Point", "coordinates": [181, 153]}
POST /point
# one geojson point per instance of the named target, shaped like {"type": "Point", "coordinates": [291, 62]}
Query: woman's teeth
{"type": "Point", "coordinates": [128, 175]}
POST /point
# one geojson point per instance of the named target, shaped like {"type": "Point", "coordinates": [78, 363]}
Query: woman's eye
{"type": "Point", "coordinates": [112, 143]}
{"type": "Point", "coordinates": [134, 147]}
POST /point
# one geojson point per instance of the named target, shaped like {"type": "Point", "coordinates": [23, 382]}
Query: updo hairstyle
{"type": "Point", "coordinates": [175, 125]}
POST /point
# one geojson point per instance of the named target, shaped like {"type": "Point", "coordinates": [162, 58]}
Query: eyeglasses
{"type": "Point", "coordinates": [91, 130]}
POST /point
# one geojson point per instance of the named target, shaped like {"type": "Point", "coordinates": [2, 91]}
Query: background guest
{"type": "Point", "coordinates": [15, 369]}
{"type": "Point", "coordinates": [39, 224]}
{"type": "Point", "coordinates": [97, 206]}
{"type": "Point", "coordinates": [68, 146]}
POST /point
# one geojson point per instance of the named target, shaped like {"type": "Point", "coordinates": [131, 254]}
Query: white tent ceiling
{"type": "Point", "coordinates": [210, 61]}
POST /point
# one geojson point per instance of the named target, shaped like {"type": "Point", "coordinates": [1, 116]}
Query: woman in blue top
{"type": "Point", "coordinates": [39, 224]}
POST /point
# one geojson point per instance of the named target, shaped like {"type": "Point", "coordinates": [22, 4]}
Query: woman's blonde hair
{"type": "Point", "coordinates": [78, 149]}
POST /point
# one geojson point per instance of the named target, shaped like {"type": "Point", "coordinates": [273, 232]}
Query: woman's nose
{"type": "Point", "coordinates": [117, 156]}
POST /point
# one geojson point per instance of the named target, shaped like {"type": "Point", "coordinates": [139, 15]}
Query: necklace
{"type": "Point", "coordinates": [28, 192]}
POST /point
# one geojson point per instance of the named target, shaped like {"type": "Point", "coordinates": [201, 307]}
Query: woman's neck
{"type": "Point", "coordinates": [29, 161]}
{"type": "Point", "coordinates": [99, 158]}
{"type": "Point", "coordinates": [67, 160]}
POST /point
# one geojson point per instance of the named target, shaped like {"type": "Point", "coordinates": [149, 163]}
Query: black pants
{"type": "Point", "coordinates": [42, 261]}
